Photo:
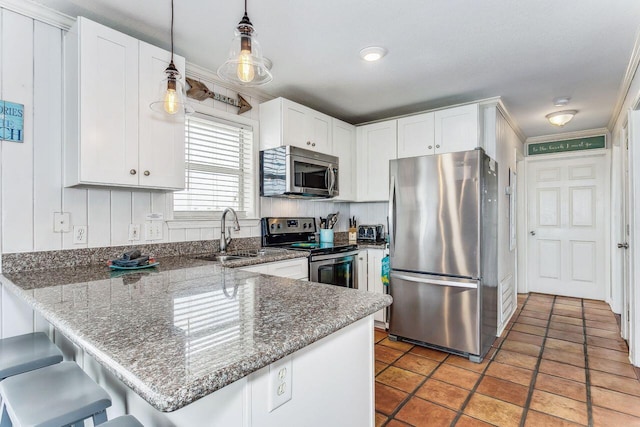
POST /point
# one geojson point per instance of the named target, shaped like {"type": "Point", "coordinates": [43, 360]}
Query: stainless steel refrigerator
{"type": "Point", "coordinates": [443, 251]}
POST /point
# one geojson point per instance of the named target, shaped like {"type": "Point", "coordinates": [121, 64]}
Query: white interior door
{"type": "Point", "coordinates": [566, 217]}
{"type": "Point", "coordinates": [623, 244]}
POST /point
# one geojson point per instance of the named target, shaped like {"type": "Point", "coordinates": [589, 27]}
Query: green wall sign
{"type": "Point", "coordinates": [11, 121]}
{"type": "Point", "coordinates": [590, 143]}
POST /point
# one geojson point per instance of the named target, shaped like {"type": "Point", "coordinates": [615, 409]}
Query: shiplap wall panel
{"type": "Point", "coordinates": [47, 135]}
{"type": "Point", "coordinates": [74, 201]}
{"type": "Point", "coordinates": [17, 158]}
{"type": "Point", "coordinates": [120, 217]}
{"type": "Point", "coordinates": [141, 207]}
{"type": "Point", "coordinates": [17, 316]}
{"type": "Point", "coordinates": [99, 218]}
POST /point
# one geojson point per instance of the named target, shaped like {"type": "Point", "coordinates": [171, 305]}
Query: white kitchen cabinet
{"type": "Point", "coordinates": [284, 122]}
{"type": "Point", "coordinates": [416, 135]}
{"type": "Point", "coordinates": [456, 129]}
{"type": "Point", "coordinates": [111, 136]}
{"type": "Point", "coordinates": [376, 145]}
{"type": "Point", "coordinates": [344, 147]}
{"type": "Point", "coordinates": [297, 268]}
{"type": "Point", "coordinates": [374, 282]}
{"type": "Point", "coordinates": [361, 270]}
{"type": "Point", "coordinates": [443, 131]}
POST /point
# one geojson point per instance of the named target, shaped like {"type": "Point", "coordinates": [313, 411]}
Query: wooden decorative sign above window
{"type": "Point", "coordinates": [11, 121]}
{"type": "Point", "coordinates": [199, 91]}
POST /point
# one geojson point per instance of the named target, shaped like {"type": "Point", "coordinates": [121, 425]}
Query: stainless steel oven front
{"type": "Point", "coordinates": [335, 269]}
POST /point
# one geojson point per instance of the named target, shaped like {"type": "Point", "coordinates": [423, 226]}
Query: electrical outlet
{"type": "Point", "coordinates": [61, 222]}
{"type": "Point", "coordinates": [280, 382]}
{"type": "Point", "coordinates": [79, 234]}
{"type": "Point", "coordinates": [134, 231]}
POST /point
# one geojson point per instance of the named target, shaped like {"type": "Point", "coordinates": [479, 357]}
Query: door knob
{"type": "Point", "coordinates": [624, 245]}
{"type": "Point", "coordinates": [533, 233]}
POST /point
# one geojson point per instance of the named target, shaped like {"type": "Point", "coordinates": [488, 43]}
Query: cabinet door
{"type": "Point", "coordinates": [344, 147]}
{"type": "Point", "coordinates": [416, 135]}
{"type": "Point", "coordinates": [294, 125]}
{"type": "Point", "coordinates": [374, 267]}
{"type": "Point", "coordinates": [456, 129]}
{"type": "Point", "coordinates": [376, 145]}
{"type": "Point", "coordinates": [161, 140]}
{"type": "Point", "coordinates": [293, 269]}
{"type": "Point", "coordinates": [108, 105]}
{"type": "Point", "coordinates": [319, 132]}
{"type": "Point", "coordinates": [362, 270]}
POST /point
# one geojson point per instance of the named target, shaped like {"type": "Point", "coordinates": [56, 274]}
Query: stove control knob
{"type": "Point", "coordinates": [279, 226]}
{"type": "Point", "coordinates": [273, 226]}
{"type": "Point", "coordinates": [310, 225]}
{"type": "Point", "coordinates": [304, 225]}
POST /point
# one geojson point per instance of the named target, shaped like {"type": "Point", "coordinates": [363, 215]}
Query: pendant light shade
{"type": "Point", "coordinates": [246, 65]}
{"type": "Point", "coordinates": [172, 98]}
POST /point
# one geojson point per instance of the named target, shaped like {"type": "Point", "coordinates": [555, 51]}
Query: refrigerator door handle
{"type": "Point", "coordinates": [412, 278]}
{"type": "Point", "coordinates": [392, 214]}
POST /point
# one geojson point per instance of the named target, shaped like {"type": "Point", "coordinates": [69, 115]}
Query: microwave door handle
{"type": "Point", "coordinates": [332, 177]}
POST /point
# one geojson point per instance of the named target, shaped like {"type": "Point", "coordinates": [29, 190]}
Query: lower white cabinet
{"type": "Point", "coordinates": [369, 272]}
{"type": "Point", "coordinates": [297, 268]}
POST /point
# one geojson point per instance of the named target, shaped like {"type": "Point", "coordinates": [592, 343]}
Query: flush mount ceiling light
{"type": "Point", "coordinates": [172, 99]}
{"type": "Point", "coordinates": [246, 65]}
{"type": "Point", "coordinates": [561, 118]}
{"type": "Point", "coordinates": [372, 53]}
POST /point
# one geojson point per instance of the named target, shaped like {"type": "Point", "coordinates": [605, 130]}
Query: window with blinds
{"type": "Point", "coordinates": [219, 168]}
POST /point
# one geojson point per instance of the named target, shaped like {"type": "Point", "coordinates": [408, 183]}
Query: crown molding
{"type": "Point", "coordinates": [39, 12]}
{"type": "Point", "coordinates": [623, 92]}
{"type": "Point", "coordinates": [570, 135]}
{"type": "Point", "coordinates": [200, 73]}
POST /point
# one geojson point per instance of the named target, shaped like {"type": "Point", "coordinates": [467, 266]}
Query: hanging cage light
{"type": "Point", "coordinates": [246, 66]}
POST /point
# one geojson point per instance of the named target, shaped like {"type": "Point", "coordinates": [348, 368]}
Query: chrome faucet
{"type": "Point", "coordinates": [224, 240]}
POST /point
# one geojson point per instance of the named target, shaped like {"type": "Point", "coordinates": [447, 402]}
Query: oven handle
{"type": "Point", "coordinates": [314, 258]}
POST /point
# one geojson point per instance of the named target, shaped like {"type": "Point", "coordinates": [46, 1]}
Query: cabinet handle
{"type": "Point", "coordinates": [147, 173]}
{"type": "Point", "coordinates": [308, 142]}
{"type": "Point", "coordinates": [132, 172]}
{"type": "Point", "coordinates": [437, 146]}
{"type": "Point", "coordinates": [430, 147]}
{"type": "Point", "coordinates": [313, 144]}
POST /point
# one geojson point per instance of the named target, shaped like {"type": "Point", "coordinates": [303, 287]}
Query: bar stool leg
{"type": "Point", "coordinates": [5, 421]}
{"type": "Point", "coordinates": [100, 417]}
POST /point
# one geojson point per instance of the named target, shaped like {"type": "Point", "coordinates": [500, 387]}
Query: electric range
{"type": "Point", "coordinates": [331, 263]}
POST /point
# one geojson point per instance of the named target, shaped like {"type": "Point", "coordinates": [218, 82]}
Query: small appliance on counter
{"type": "Point", "coordinates": [371, 233]}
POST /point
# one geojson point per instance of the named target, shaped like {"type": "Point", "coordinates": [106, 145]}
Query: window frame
{"type": "Point", "coordinates": [185, 219]}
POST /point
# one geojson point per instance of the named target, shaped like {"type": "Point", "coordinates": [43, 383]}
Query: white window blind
{"type": "Point", "coordinates": [219, 168]}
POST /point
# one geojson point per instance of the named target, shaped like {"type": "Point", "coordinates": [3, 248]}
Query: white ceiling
{"type": "Point", "coordinates": [441, 52]}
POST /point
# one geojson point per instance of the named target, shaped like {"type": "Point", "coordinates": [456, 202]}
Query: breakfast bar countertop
{"type": "Point", "coordinates": [180, 331]}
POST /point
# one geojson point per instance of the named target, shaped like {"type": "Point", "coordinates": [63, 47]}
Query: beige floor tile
{"type": "Point", "coordinates": [616, 401]}
{"type": "Point", "coordinates": [559, 406]}
{"type": "Point", "coordinates": [418, 412]}
{"type": "Point", "coordinates": [418, 364]}
{"type": "Point", "coordinates": [400, 378]}
{"type": "Point", "coordinates": [443, 394]}
{"type": "Point", "coordinates": [561, 386]}
{"type": "Point", "coordinates": [456, 376]}
{"type": "Point", "coordinates": [494, 411]}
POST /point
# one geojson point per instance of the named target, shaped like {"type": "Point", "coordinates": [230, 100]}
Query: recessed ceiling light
{"type": "Point", "coordinates": [561, 118]}
{"type": "Point", "coordinates": [561, 101]}
{"type": "Point", "coordinates": [372, 53]}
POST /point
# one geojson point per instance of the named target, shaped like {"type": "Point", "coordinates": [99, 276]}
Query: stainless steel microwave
{"type": "Point", "coordinates": [294, 172]}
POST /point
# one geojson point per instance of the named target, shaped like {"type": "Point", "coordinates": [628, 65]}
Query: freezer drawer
{"type": "Point", "coordinates": [436, 310]}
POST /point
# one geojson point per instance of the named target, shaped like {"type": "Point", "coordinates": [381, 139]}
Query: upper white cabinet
{"type": "Point", "coordinates": [456, 129]}
{"type": "Point", "coordinates": [376, 145]}
{"type": "Point", "coordinates": [442, 131]}
{"type": "Point", "coordinates": [283, 122]}
{"type": "Point", "coordinates": [112, 138]}
{"type": "Point", "coordinates": [416, 135]}
{"type": "Point", "coordinates": [344, 147]}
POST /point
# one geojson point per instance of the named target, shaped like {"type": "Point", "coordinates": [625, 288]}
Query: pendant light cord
{"type": "Point", "coordinates": [172, 30]}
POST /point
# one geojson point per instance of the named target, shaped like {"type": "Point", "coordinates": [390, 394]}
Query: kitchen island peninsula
{"type": "Point", "coordinates": [193, 342]}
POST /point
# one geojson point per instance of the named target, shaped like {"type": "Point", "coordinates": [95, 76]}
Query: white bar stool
{"type": "Point", "coordinates": [27, 352]}
{"type": "Point", "coordinates": [123, 421]}
{"type": "Point", "coordinates": [53, 396]}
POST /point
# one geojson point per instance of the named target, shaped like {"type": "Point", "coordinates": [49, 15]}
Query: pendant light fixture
{"type": "Point", "coordinates": [172, 99]}
{"type": "Point", "coordinates": [245, 66]}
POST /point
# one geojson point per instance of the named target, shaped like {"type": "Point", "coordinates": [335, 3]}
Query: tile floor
{"type": "Point", "coordinates": [560, 362]}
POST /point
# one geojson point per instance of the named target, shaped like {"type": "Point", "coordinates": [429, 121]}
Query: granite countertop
{"type": "Point", "coordinates": [180, 331]}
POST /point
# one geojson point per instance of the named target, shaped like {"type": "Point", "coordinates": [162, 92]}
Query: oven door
{"type": "Point", "coordinates": [312, 177]}
{"type": "Point", "coordinates": [334, 269]}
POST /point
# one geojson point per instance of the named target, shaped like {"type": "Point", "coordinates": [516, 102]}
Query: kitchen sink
{"type": "Point", "coordinates": [240, 254]}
